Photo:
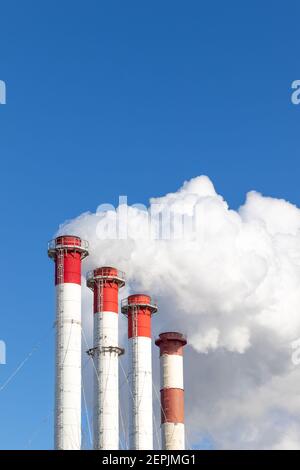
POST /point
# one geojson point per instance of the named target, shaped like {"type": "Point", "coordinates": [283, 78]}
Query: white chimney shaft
{"type": "Point", "coordinates": [138, 308]}
{"type": "Point", "coordinates": [105, 283]}
{"type": "Point", "coordinates": [68, 252]}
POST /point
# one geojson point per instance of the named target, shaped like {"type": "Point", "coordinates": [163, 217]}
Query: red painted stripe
{"type": "Point", "coordinates": [107, 301]}
{"type": "Point", "coordinates": [139, 299]}
{"type": "Point", "coordinates": [171, 348]}
{"type": "Point", "coordinates": [172, 403]}
{"type": "Point", "coordinates": [139, 323]}
{"type": "Point", "coordinates": [106, 271]}
{"type": "Point", "coordinates": [68, 268]}
{"type": "Point", "coordinates": [66, 240]}
{"type": "Point", "coordinates": [142, 324]}
{"type": "Point", "coordinates": [171, 343]}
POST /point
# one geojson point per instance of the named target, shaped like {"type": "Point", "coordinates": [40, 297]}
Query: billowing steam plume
{"type": "Point", "coordinates": [228, 279]}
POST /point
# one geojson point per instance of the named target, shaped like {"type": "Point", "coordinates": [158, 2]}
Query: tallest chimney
{"type": "Point", "coordinates": [67, 252]}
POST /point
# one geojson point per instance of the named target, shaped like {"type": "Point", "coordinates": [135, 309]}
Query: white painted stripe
{"type": "Point", "coordinates": [106, 382]}
{"type": "Point", "coordinates": [173, 436]}
{"type": "Point", "coordinates": [68, 297]}
{"type": "Point", "coordinates": [68, 367]}
{"type": "Point", "coordinates": [140, 399]}
{"type": "Point", "coordinates": [171, 371]}
{"type": "Point", "coordinates": [107, 322]}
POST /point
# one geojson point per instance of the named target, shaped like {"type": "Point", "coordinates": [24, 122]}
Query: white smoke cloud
{"type": "Point", "coordinates": [230, 280]}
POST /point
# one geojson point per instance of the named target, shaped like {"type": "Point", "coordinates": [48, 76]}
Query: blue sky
{"type": "Point", "coordinates": [109, 98]}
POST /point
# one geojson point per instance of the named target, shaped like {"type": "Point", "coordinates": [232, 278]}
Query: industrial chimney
{"type": "Point", "coordinates": [67, 252]}
{"type": "Point", "coordinates": [139, 310]}
{"type": "Point", "coordinates": [172, 391]}
{"type": "Point", "coordinates": [105, 283]}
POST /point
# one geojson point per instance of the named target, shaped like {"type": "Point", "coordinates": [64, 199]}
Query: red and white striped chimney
{"type": "Point", "coordinates": [139, 310]}
{"type": "Point", "coordinates": [172, 391]}
{"type": "Point", "coordinates": [105, 283]}
{"type": "Point", "coordinates": [67, 252]}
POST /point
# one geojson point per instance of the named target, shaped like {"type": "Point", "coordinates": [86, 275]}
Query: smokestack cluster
{"type": "Point", "coordinates": [68, 252]}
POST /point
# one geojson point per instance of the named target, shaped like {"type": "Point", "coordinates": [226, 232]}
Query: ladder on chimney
{"type": "Point", "coordinates": [98, 351]}
{"type": "Point", "coordinates": [135, 365]}
{"type": "Point", "coordinates": [59, 325]}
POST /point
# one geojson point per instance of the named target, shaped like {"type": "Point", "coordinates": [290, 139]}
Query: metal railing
{"type": "Point", "coordinates": [171, 335]}
{"type": "Point", "coordinates": [125, 306]}
{"type": "Point", "coordinates": [65, 243]}
{"type": "Point", "coordinates": [106, 274]}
